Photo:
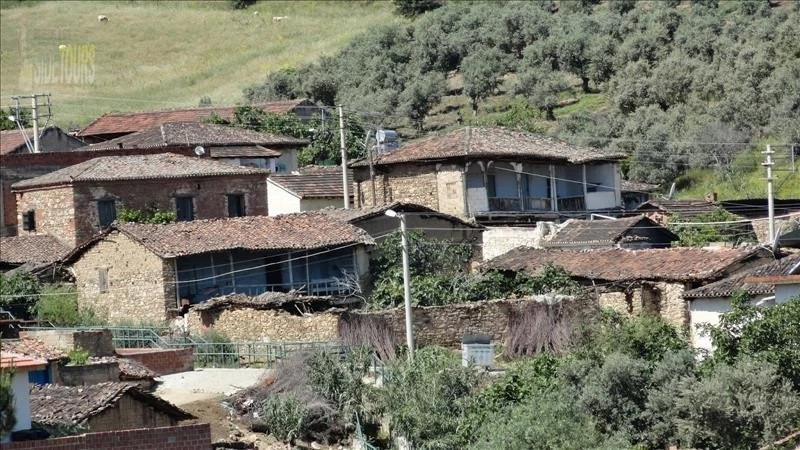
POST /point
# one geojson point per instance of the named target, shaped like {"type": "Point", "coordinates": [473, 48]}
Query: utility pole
{"type": "Point", "coordinates": [35, 116]}
{"type": "Point", "coordinates": [770, 201]}
{"type": "Point", "coordinates": [345, 187]}
{"type": "Point", "coordinates": [406, 281]}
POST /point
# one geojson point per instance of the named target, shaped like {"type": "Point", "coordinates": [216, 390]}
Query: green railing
{"type": "Point", "coordinates": [208, 353]}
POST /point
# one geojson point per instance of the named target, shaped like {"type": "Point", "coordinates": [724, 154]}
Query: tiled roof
{"type": "Point", "coordinates": [129, 369]}
{"type": "Point", "coordinates": [492, 142]}
{"type": "Point", "coordinates": [64, 405]}
{"type": "Point", "coordinates": [137, 167]}
{"type": "Point", "coordinates": [355, 215]}
{"type": "Point", "coordinates": [727, 286]}
{"type": "Point", "coordinates": [301, 231]}
{"type": "Point", "coordinates": [684, 208]}
{"type": "Point", "coordinates": [637, 186]}
{"type": "Point", "coordinates": [602, 232]}
{"type": "Point", "coordinates": [10, 140]}
{"type": "Point", "coordinates": [267, 300]}
{"type": "Point", "coordinates": [243, 151]}
{"type": "Point", "coordinates": [33, 348]}
{"type": "Point", "coordinates": [191, 134]}
{"type": "Point", "coordinates": [131, 122]}
{"type": "Point", "coordinates": [668, 264]}
{"type": "Point", "coordinates": [40, 248]}
{"type": "Point", "coordinates": [316, 183]}
{"type": "Point", "coordinates": [18, 361]}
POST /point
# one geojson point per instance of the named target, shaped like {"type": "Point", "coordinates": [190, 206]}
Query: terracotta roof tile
{"type": "Point", "coordinates": [727, 286]}
{"type": "Point", "coordinates": [315, 183]}
{"type": "Point", "coordinates": [10, 140]}
{"type": "Point", "coordinates": [668, 264]}
{"type": "Point", "coordinates": [492, 142]}
{"type": "Point", "coordinates": [602, 232]}
{"type": "Point", "coordinates": [66, 405]}
{"type": "Point", "coordinates": [131, 122]}
{"type": "Point", "coordinates": [355, 215]}
{"type": "Point", "coordinates": [243, 151]}
{"type": "Point", "coordinates": [685, 208]}
{"type": "Point", "coordinates": [40, 248]}
{"type": "Point", "coordinates": [16, 360]}
{"type": "Point", "coordinates": [637, 186]}
{"type": "Point", "coordinates": [191, 134]}
{"type": "Point", "coordinates": [33, 348]}
{"type": "Point", "coordinates": [301, 231]}
{"type": "Point", "coordinates": [137, 167]}
{"type": "Point", "coordinates": [267, 300]}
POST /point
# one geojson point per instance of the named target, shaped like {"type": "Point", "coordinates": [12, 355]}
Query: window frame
{"type": "Point", "coordinates": [241, 204]}
{"type": "Point", "coordinates": [106, 201]}
{"type": "Point", "coordinates": [178, 216]}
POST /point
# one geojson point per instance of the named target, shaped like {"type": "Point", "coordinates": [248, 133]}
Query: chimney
{"type": "Point", "coordinates": [711, 197]}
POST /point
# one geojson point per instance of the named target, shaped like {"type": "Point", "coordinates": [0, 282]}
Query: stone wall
{"type": "Point", "coordinates": [182, 437]}
{"type": "Point", "coordinates": [450, 187]}
{"type": "Point", "coordinates": [139, 282]}
{"type": "Point", "coordinates": [161, 361]}
{"type": "Point", "coordinates": [405, 183]}
{"type": "Point", "coordinates": [96, 342]}
{"type": "Point", "coordinates": [500, 240]}
{"type": "Point", "coordinates": [54, 213]}
{"type": "Point", "coordinates": [89, 374]}
{"type": "Point", "coordinates": [248, 324]}
{"type": "Point", "coordinates": [661, 298]}
{"type": "Point", "coordinates": [433, 325]}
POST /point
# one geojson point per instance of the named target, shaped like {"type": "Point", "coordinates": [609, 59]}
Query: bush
{"type": "Point", "coordinates": [151, 215]}
{"type": "Point", "coordinates": [58, 305]}
{"type": "Point", "coordinates": [78, 356]}
{"type": "Point", "coordinates": [282, 417]}
{"type": "Point", "coordinates": [18, 293]}
{"type": "Point", "coordinates": [7, 417]}
{"type": "Point", "coordinates": [425, 398]}
{"type": "Point", "coordinates": [644, 337]}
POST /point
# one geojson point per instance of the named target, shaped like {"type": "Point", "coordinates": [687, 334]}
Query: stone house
{"type": "Point", "coordinates": [232, 145]}
{"type": "Point", "coordinates": [629, 232]}
{"type": "Point", "coordinates": [635, 281]}
{"type": "Point", "coordinates": [13, 145]}
{"type": "Point", "coordinates": [308, 189]}
{"type": "Point", "coordinates": [767, 284]}
{"type": "Point", "coordinates": [142, 272]}
{"type": "Point", "coordinates": [110, 406]}
{"type": "Point", "coordinates": [20, 366]}
{"type": "Point", "coordinates": [75, 203]}
{"type": "Point", "coordinates": [493, 174]}
{"type": "Point", "coordinates": [116, 124]}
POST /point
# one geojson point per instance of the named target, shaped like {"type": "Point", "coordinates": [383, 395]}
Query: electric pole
{"type": "Point", "coordinates": [35, 115]}
{"type": "Point", "coordinates": [770, 201]}
{"type": "Point", "coordinates": [345, 187]}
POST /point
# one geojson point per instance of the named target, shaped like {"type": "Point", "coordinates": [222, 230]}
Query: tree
{"type": "Point", "coordinates": [7, 417]}
{"type": "Point", "coordinates": [22, 116]}
{"type": "Point", "coordinates": [421, 96]}
{"type": "Point", "coordinates": [280, 85]}
{"type": "Point", "coordinates": [573, 46]}
{"type": "Point", "coordinates": [541, 87]}
{"type": "Point", "coordinates": [413, 8]}
{"type": "Point", "coordinates": [481, 70]}
{"type": "Point", "coordinates": [18, 293]}
{"type": "Point", "coordinates": [702, 235]}
{"type": "Point", "coordinates": [770, 334]}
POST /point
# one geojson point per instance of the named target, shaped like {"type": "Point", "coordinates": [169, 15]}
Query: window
{"type": "Point", "coordinates": [102, 280]}
{"type": "Point", "coordinates": [29, 220]}
{"type": "Point", "coordinates": [491, 190]}
{"type": "Point", "coordinates": [107, 212]}
{"type": "Point", "coordinates": [236, 206]}
{"type": "Point", "coordinates": [184, 208]}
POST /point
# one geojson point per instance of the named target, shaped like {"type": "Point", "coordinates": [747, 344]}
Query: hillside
{"type": "Point", "coordinates": [163, 54]}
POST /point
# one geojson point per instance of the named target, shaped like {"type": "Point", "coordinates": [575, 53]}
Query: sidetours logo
{"type": "Point", "coordinates": [75, 64]}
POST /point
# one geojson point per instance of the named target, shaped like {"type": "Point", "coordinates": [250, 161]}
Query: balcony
{"type": "Point", "coordinates": [535, 204]}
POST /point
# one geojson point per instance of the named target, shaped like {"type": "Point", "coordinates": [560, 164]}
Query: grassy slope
{"type": "Point", "coordinates": [168, 54]}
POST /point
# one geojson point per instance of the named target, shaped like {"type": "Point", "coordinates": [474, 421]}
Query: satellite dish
{"type": "Point", "coordinates": [199, 150]}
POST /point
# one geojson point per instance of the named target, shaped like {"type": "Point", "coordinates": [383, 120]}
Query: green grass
{"type": "Point", "coordinates": [163, 54]}
{"type": "Point", "coordinates": [586, 103]}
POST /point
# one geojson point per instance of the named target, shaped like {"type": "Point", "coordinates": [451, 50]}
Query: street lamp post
{"type": "Point", "coordinates": [406, 282]}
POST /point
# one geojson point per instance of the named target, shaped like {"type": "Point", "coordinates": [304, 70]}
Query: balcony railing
{"type": "Point", "coordinates": [571, 204]}
{"type": "Point", "coordinates": [536, 204]}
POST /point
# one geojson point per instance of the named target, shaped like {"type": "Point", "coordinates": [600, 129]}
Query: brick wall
{"type": "Point", "coordinates": [184, 437]}
{"type": "Point", "coordinates": [161, 361]}
{"type": "Point", "coordinates": [139, 282]}
{"type": "Point", "coordinates": [70, 213]}
{"type": "Point", "coordinates": [249, 324]}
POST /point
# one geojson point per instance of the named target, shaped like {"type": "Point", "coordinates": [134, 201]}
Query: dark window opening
{"type": "Point", "coordinates": [29, 220]}
{"type": "Point", "coordinates": [102, 280]}
{"type": "Point", "coordinates": [236, 207]}
{"type": "Point", "coordinates": [184, 208]}
{"type": "Point", "coordinates": [107, 212]}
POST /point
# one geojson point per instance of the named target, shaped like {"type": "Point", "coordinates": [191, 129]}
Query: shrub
{"type": "Point", "coordinates": [425, 398]}
{"type": "Point", "coordinates": [58, 305]}
{"type": "Point", "coordinates": [151, 215]}
{"type": "Point", "coordinates": [7, 417]}
{"type": "Point", "coordinates": [644, 337]}
{"type": "Point", "coordinates": [282, 417]}
{"type": "Point", "coordinates": [216, 351]}
{"type": "Point", "coordinates": [78, 356]}
{"type": "Point", "coordinates": [18, 293]}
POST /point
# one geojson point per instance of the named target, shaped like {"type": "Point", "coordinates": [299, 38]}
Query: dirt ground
{"type": "Point", "coordinates": [211, 411]}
